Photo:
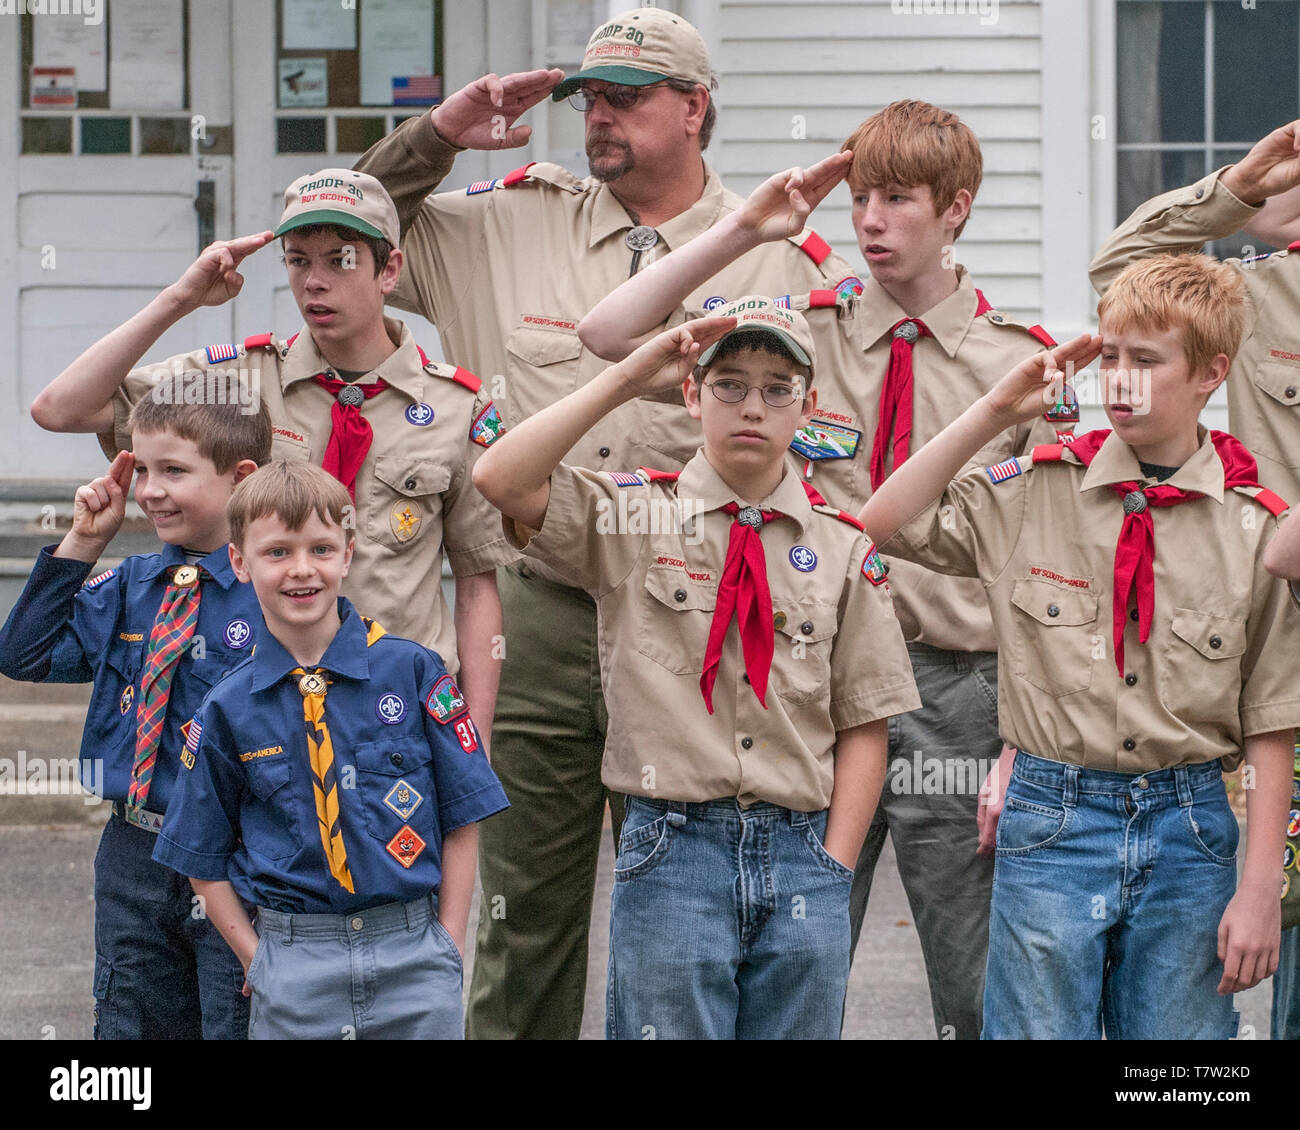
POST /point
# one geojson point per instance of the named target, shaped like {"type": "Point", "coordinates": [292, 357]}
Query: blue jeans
{"type": "Point", "coordinates": [162, 971]}
{"type": "Point", "coordinates": [726, 923]}
{"type": "Point", "coordinates": [1107, 895]}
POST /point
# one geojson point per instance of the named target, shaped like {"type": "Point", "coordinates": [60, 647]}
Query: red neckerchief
{"type": "Point", "coordinates": [743, 592]}
{"type": "Point", "coordinates": [351, 435]}
{"type": "Point", "coordinates": [896, 402]}
{"type": "Point", "coordinates": [1135, 551]}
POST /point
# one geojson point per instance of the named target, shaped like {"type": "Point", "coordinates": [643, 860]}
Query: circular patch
{"type": "Point", "coordinates": [391, 709]}
{"type": "Point", "coordinates": [1293, 824]}
{"type": "Point", "coordinates": [238, 633]}
{"type": "Point", "coordinates": [128, 697]}
{"type": "Point", "coordinates": [713, 303]}
{"type": "Point", "coordinates": [1288, 857]}
{"type": "Point", "coordinates": [850, 284]}
{"type": "Point", "coordinates": [1295, 789]}
{"type": "Point", "coordinates": [803, 559]}
{"type": "Point", "coordinates": [419, 414]}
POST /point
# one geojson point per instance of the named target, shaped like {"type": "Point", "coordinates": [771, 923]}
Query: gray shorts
{"type": "Point", "coordinates": [388, 973]}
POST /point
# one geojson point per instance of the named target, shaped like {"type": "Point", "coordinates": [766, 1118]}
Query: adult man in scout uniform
{"type": "Point", "coordinates": [1264, 381]}
{"type": "Point", "coordinates": [352, 391]}
{"type": "Point", "coordinates": [903, 355]}
{"type": "Point", "coordinates": [506, 269]}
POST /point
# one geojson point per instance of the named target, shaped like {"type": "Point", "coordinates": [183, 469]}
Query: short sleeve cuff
{"type": "Point", "coordinates": [482, 559]}
{"type": "Point", "coordinates": [471, 808]}
{"type": "Point", "coordinates": [878, 702]}
{"type": "Point", "coordinates": [193, 864]}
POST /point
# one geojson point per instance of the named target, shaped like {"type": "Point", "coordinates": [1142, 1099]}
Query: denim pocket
{"type": "Point", "coordinates": [643, 847]}
{"type": "Point", "coordinates": [1214, 829]}
{"type": "Point", "coordinates": [1025, 826]}
{"type": "Point", "coordinates": [819, 852]}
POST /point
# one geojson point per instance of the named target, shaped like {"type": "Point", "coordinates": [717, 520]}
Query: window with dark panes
{"type": "Point", "coordinates": [1198, 83]}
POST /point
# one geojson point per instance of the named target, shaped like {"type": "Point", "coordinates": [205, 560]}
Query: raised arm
{"type": "Point", "coordinates": [1282, 554]}
{"type": "Point", "coordinates": [80, 398]}
{"type": "Point", "coordinates": [776, 209]}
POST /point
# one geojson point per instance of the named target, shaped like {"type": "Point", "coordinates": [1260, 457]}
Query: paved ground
{"type": "Point", "coordinates": [46, 953]}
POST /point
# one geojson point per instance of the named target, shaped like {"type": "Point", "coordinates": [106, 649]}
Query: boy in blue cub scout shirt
{"type": "Point", "coordinates": [334, 781]}
{"type": "Point", "coordinates": [153, 635]}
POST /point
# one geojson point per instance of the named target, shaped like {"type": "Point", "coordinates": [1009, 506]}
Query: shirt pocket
{"type": "Point", "coordinates": [124, 661]}
{"type": "Point", "coordinates": [676, 616]}
{"type": "Point", "coordinates": [546, 361]}
{"type": "Point", "coordinates": [395, 787]}
{"type": "Point", "coordinates": [405, 496]}
{"type": "Point", "coordinates": [1200, 680]}
{"type": "Point", "coordinates": [1280, 383]}
{"type": "Point", "coordinates": [801, 664]}
{"type": "Point", "coordinates": [269, 827]}
{"type": "Point", "coordinates": [1054, 644]}
{"type": "Point", "coordinates": [290, 449]}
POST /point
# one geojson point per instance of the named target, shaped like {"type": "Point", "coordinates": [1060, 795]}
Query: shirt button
{"type": "Point", "coordinates": [1131, 680]}
{"type": "Point", "coordinates": [395, 758]}
{"type": "Point", "coordinates": [806, 627]}
{"type": "Point", "coordinates": [1130, 744]}
{"type": "Point", "coordinates": [410, 484]}
{"type": "Point", "coordinates": [1053, 610]}
{"type": "Point", "coordinates": [745, 677]}
{"type": "Point", "coordinates": [679, 595]}
{"type": "Point", "coordinates": [357, 923]}
{"type": "Point", "coordinates": [603, 453]}
{"type": "Point", "coordinates": [1133, 615]}
{"type": "Point", "coordinates": [1216, 642]}
{"type": "Point", "coordinates": [1290, 392]}
{"type": "Point", "coordinates": [746, 743]}
{"type": "Point", "coordinates": [1199, 193]}
{"type": "Point", "coordinates": [1143, 783]}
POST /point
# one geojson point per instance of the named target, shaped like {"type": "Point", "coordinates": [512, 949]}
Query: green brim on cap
{"type": "Point", "coordinates": [791, 346]}
{"type": "Point", "coordinates": [623, 76]}
{"type": "Point", "coordinates": [331, 216]}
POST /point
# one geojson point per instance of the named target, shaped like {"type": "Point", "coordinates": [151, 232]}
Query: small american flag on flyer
{"type": "Point", "coordinates": [417, 90]}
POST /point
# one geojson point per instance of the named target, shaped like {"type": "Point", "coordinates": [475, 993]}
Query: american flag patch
{"type": "Point", "coordinates": [480, 186]}
{"type": "Point", "coordinates": [192, 738]}
{"type": "Point", "coordinates": [221, 353]}
{"type": "Point", "coordinates": [90, 584]}
{"type": "Point", "coordinates": [1001, 472]}
{"type": "Point", "coordinates": [626, 478]}
{"type": "Point", "coordinates": [783, 302]}
{"type": "Point", "coordinates": [417, 90]}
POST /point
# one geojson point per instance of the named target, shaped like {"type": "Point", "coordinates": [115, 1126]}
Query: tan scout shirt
{"type": "Point", "coordinates": [507, 273]}
{"type": "Point", "coordinates": [414, 495]}
{"type": "Point", "coordinates": [1264, 381]}
{"type": "Point", "coordinates": [1220, 661]}
{"type": "Point", "coordinates": [966, 357]}
{"type": "Point", "coordinates": [839, 661]}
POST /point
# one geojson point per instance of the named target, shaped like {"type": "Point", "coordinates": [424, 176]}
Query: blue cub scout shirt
{"type": "Point", "coordinates": [67, 629]}
{"type": "Point", "coordinates": [408, 762]}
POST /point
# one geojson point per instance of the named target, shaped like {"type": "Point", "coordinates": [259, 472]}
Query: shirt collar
{"type": "Point", "coordinates": [949, 320]}
{"type": "Point", "coordinates": [609, 216]}
{"type": "Point", "coordinates": [402, 370]}
{"type": "Point", "coordinates": [346, 654]}
{"type": "Point", "coordinates": [217, 563]}
{"type": "Point", "coordinates": [699, 480]}
{"type": "Point", "coordinates": [1115, 462]}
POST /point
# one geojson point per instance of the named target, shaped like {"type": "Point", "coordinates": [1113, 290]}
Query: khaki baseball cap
{"type": "Point", "coordinates": [755, 312]}
{"type": "Point", "coordinates": [344, 197]}
{"type": "Point", "coordinates": [639, 47]}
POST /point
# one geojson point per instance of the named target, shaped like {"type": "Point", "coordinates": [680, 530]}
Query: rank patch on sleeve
{"type": "Point", "coordinates": [626, 478]}
{"type": "Point", "coordinates": [405, 847]}
{"type": "Point", "coordinates": [481, 186]}
{"type": "Point", "coordinates": [445, 701]}
{"type": "Point", "coordinates": [221, 353]}
{"type": "Point", "coordinates": [873, 568]}
{"type": "Point", "coordinates": [96, 581]}
{"type": "Point", "coordinates": [403, 799]}
{"type": "Point", "coordinates": [487, 426]}
{"type": "Point", "coordinates": [1001, 472]}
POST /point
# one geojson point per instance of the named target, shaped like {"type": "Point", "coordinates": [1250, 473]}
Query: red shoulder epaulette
{"type": "Point", "coordinates": [261, 341]}
{"type": "Point", "coordinates": [653, 476]}
{"type": "Point", "coordinates": [816, 248]}
{"type": "Point", "coordinates": [814, 495]}
{"type": "Point", "coordinates": [466, 378]}
{"type": "Point", "coordinates": [1042, 336]}
{"type": "Point", "coordinates": [845, 516]}
{"type": "Point", "coordinates": [1048, 452]}
{"type": "Point", "coordinates": [818, 298]}
{"type": "Point", "coordinates": [1293, 246]}
{"type": "Point", "coordinates": [982, 304]}
{"type": "Point", "coordinates": [1275, 504]}
{"type": "Point", "coordinates": [516, 177]}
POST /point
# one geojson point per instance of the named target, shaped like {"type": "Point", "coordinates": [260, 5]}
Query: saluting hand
{"type": "Point", "coordinates": [1271, 166]}
{"type": "Point", "coordinates": [780, 206]}
{"type": "Point", "coordinates": [1035, 384]}
{"type": "Point", "coordinates": [100, 506]}
{"type": "Point", "coordinates": [667, 359]}
{"type": "Point", "coordinates": [482, 114]}
{"type": "Point", "coordinates": [213, 279]}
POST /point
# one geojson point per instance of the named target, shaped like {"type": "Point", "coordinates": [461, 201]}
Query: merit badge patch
{"type": "Point", "coordinates": [1288, 857]}
{"type": "Point", "coordinates": [1293, 824]}
{"type": "Point", "coordinates": [820, 439]}
{"type": "Point", "coordinates": [626, 478]}
{"type": "Point", "coordinates": [419, 414]}
{"type": "Point", "coordinates": [405, 521]}
{"type": "Point", "coordinates": [849, 285]}
{"type": "Point", "coordinates": [391, 709]}
{"type": "Point", "coordinates": [486, 426]}
{"type": "Point", "coordinates": [873, 568]}
{"type": "Point", "coordinates": [1001, 472]}
{"type": "Point", "coordinates": [405, 847]}
{"type": "Point", "coordinates": [128, 697]}
{"type": "Point", "coordinates": [403, 799]}
{"type": "Point", "coordinates": [238, 633]}
{"type": "Point", "coordinates": [481, 186]}
{"type": "Point", "coordinates": [711, 304]}
{"type": "Point", "coordinates": [445, 701]}
{"type": "Point", "coordinates": [94, 581]}
{"type": "Point", "coordinates": [803, 559]}
{"type": "Point", "coordinates": [466, 734]}
{"type": "Point", "coordinates": [221, 353]}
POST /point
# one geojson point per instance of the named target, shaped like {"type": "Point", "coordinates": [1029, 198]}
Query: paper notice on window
{"type": "Point", "coordinates": [68, 41]}
{"type": "Point", "coordinates": [146, 64]}
{"type": "Point", "coordinates": [396, 42]}
{"type": "Point", "coordinates": [303, 82]}
{"type": "Point", "coordinates": [318, 25]}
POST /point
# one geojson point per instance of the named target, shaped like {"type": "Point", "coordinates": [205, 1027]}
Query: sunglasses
{"type": "Point", "coordinates": [616, 97]}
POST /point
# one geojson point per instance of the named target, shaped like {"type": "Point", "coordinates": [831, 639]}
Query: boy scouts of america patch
{"type": "Point", "coordinates": [403, 799]}
{"type": "Point", "coordinates": [128, 697]}
{"type": "Point", "coordinates": [1001, 472]}
{"type": "Point", "coordinates": [405, 847]}
{"type": "Point", "coordinates": [405, 521]}
{"type": "Point", "coordinates": [626, 478]}
{"type": "Point", "coordinates": [445, 701]}
{"type": "Point", "coordinates": [486, 426]}
{"type": "Point", "coordinates": [419, 414]}
{"type": "Point", "coordinates": [873, 568]}
{"type": "Point", "coordinates": [820, 439]}
{"type": "Point", "coordinates": [90, 584]}
{"type": "Point", "coordinates": [221, 353]}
